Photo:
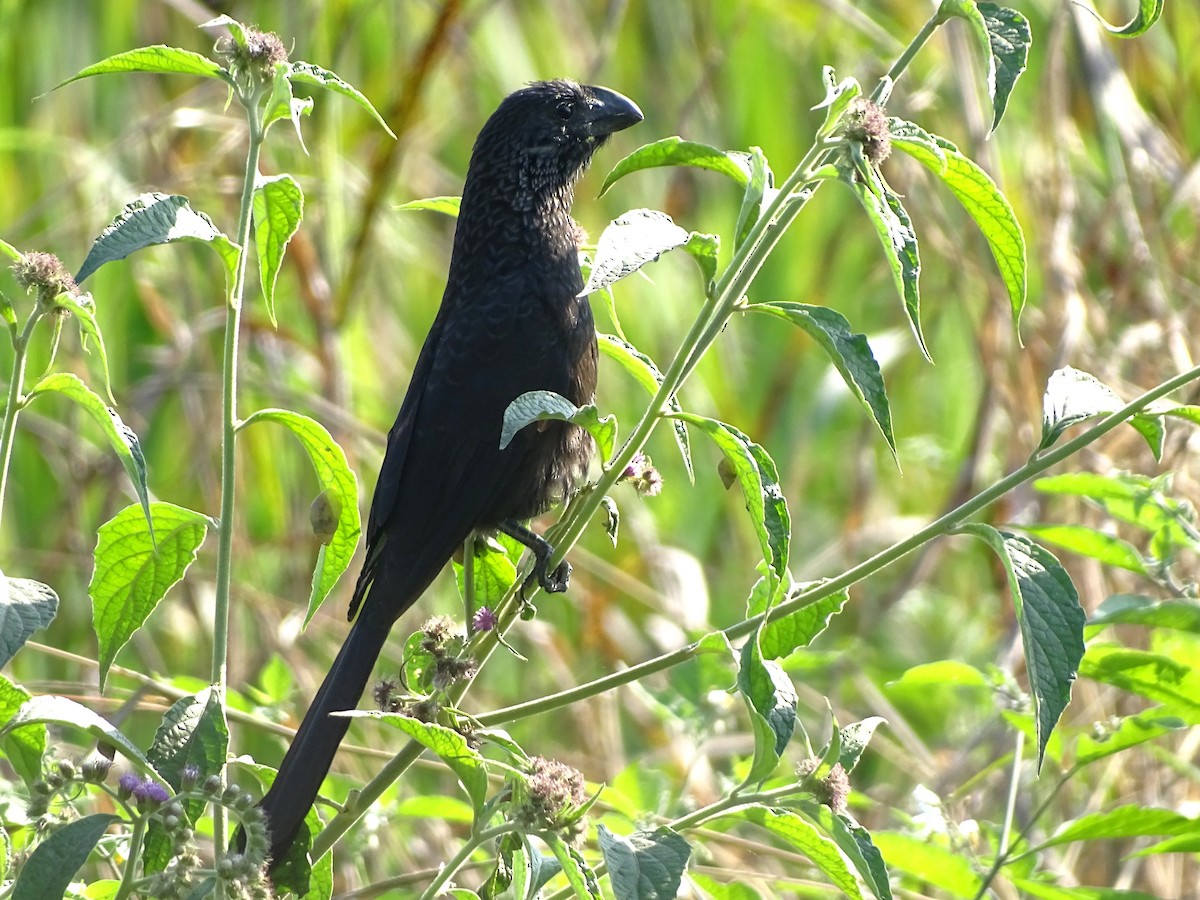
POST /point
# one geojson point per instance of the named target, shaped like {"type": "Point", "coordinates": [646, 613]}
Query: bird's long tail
{"type": "Point", "coordinates": [312, 751]}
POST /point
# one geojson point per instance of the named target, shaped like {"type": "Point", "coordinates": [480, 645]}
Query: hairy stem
{"type": "Point", "coordinates": [12, 408]}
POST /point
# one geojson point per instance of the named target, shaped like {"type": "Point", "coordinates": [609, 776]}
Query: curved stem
{"type": "Point", "coordinates": [447, 872]}
{"type": "Point", "coordinates": [12, 408]}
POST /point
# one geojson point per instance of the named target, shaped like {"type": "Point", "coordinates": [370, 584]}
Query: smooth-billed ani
{"type": "Point", "coordinates": [511, 321]}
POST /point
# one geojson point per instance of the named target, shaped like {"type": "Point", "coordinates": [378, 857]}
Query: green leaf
{"type": "Point", "coordinates": [905, 132]}
{"type": "Point", "coordinates": [1009, 38]}
{"type": "Point", "coordinates": [853, 740]}
{"type": "Point", "coordinates": [338, 483]}
{"type": "Point", "coordinates": [52, 865]}
{"type": "Point", "coordinates": [447, 744]}
{"type": "Point", "coordinates": [284, 104]}
{"type": "Point", "coordinates": [10, 251]}
{"type": "Point", "coordinates": [630, 241]}
{"type": "Point", "coordinates": [83, 308]}
{"type": "Point", "coordinates": [1147, 14]}
{"type": "Point", "coordinates": [645, 865]}
{"type": "Point", "coordinates": [783, 635]}
{"type": "Point", "coordinates": [1131, 609]}
{"type": "Point", "coordinates": [7, 313]}
{"type": "Point", "coordinates": [307, 73]}
{"type": "Point", "coordinates": [759, 479]}
{"type": "Point", "coordinates": [928, 862]}
{"type": "Point", "coordinates": [798, 832]}
{"type": "Point", "coordinates": [25, 606]}
{"type": "Point", "coordinates": [855, 842]}
{"type": "Point", "coordinates": [158, 58]}
{"type": "Point", "coordinates": [133, 573]}
{"type": "Point", "coordinates": [578, 873]}
{"type": "Point", "coordinates": [760, 191]}
{"type": "Point", "coordinates": [1073, 396]}
{"type": "Point", "coordinates": [494, 573]}
{"type": "Point", "coordinates": [647, 374]}
{"type": "Point", "coordinates": [675, 151]}
{"type": "Point", "coordinates": [1129, 732]}
{"type": "Point", "coordinates": [1105, 548]}
{"type": "Point", "coordinates": [1133, 820]}
{"type": "Point", "coordinates": [66, 713]}
{"type": "Point", "coordinates": [984, 203]}
{"type": "Point", "coordinates": [121, 437]}
{"type": "Point", "coordinates": [152, 219]}
{"type": "Point", "coordinates": [1040, 890]}
{"type": "Point", "coordinates": [704, 249]}
{"type": "Point", "coordinates": [23, 746]}
{"type": "Point", "coordinates": [612, 517]}
{"type": "Point", "coordinates": [771, 699]}
{"type": "Point", "coordinates": [536, 406]}
{"type": "Point", "coordinates": [1051, 621]}
{"type": "Point", "coordinates": [278, 209]}
{"type": "Point", "coordinates": [838, 96]}
{"type": "Point", "coordinates": [848, 351]}
{"type": "Point", "coordinates": [1152, 675]}
{"type": "Point", "coordinates": [1135, 499]}
{"type": "Point", "coordinates": [899, 240]}
{"type": "Point", "coordinates": [237, 30]}
{"type": "Point", "coordinates": [445, 205]}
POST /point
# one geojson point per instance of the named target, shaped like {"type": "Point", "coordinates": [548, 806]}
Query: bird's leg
{"type": "Point", "coordinates": [551, 582]}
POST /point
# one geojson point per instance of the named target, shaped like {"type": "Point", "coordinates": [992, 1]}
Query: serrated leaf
{"type": "Point", "coordinates": [838, 96]}
{"type": "Point", "coordinates": [134, 571]}
{"type": "Point", "coordinates": [987, 206]}
{"type": "Point", "coordinates": [64, 712]}
{"type": "Point", "coordinates": [536, 406]}
{"type": "Point", "coordinates": [1009, 38]}
{"type": "Point", "coordinates": [334, 476]}
{"type": "Point", "coordinates": [52, 865]}
{"type": "Point", "coordinates": [157, 58]}
{"type": "Point", "coordinates": [283, 104]}
{"type": "Point", "coordinates": [759, 479]}
{"type": "Point", "coordinates": [1149, 674]}
{"type": "Point", "coordinates": [1131, 609]}
{"type": "Point", "coordinates": [1133, 820]}
{"type": "Point", "coordinates": [153, 219]}
{"type": "Point", "coordinates": [575, 868]}
{"type": "Point", "coordinates": [1051, 621]}
{"type": "Point", "coordinates": [905, 132]}
{"type": "Point", "coordinates": [630, 241]}
{"type": "Point", "coordinates": [23, 746]}
{"type": "Point", "coordinates": [898, 239]}
{"type": "Point", "coordinates": [278, 209]}
{"type": "Point", "coordinates": [803, 835]}
{"type": "Point", "coordinates": [760, 190]}
{"type": "Point", "coordinates": [307, 73]}
{"type": "Point", "coordinates": [848, 351]}
{"type": "Point", "coordinates": [855, 842]}
{"type": "Point", "coordinates": [647, 374]}
{"type": "Point", "coordinates": [121, 437]}
{"type": "Point", "coordinates": [771, 699]}
{"type": "Point", "coordinates": [852, 741]}
{"type": "Point", "coordinates": [782, 635]}
{"type": "Point", "coordinates": [1104, 548]}
{"type": "Point", "coordinates": [1073, 396]}
{"type": "Point", "coordinates": [1147, 14]}
{"type": "Point", "coordinates": [25, 606]}
{"type": "Point", "coordinates": [675, 151]}
{"type": "Point", "coordinates": [647, 865]}
{"type": "Point", "coordinates": [445, 743]}
{"type": "Point", "coordinates": [445, 205]}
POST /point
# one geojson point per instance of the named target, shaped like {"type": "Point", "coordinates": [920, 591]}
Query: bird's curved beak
{"type": "Point", "coordinates": [609, 112]}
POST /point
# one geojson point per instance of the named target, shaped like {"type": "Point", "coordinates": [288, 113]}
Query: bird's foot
{"type": "Point", "coordinates": [552, 582]}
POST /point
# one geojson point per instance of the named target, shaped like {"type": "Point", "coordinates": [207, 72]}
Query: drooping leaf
{"type": "Point", "coordinates": [848, 351]}
{"type": "Point", "coordinates": [66, 713]}
{"type": "Point", "coordinates": [675, 151]}
{"type": "Point", "coordinates": [152, 219]}
{"type": "Point", "coordinates": [25, 606]}
{"type": "Point", "coordinates": [83, 308]}
{"type": "Point", "coordinates": [278, 209]}
{"type": "Point", "coordinates": [335, 478]}
{"type": "Point", "coordinates": [852, 741]}
{"type": "Point", "coordinates": [704, 249]}
{"type": "Point", "coordinates": [52, 865]}
{"type": "Point", "coordinates": [121, 437]}
{"type": "Point", "coordinates": [1050, 618]}
{"type": "Point", "coordinates": [855, 842]}
{"type": "Point", "coordinates": [645, 865]}
{"type": "Point", "coordinates": [536, 406]}
{"type": "Point", "coordinates": [307, 73]}
{"type": "Point", "coordinates": [1008, 38]}
{"type": "Point", "coordinates": [1147, 14]}
{"type": "Point", "coordinates": [23, 746]}
{"type": "Point", "coordinates": [134, 570]}
{"type": "Point", "coordinates": [771, 700]}
{"type": "Point", "coordinates": [1073, 396]}
{"type": "Point", "coordinates": [630, 241]}
{"type": "Point", "coordinates": [579, 874]}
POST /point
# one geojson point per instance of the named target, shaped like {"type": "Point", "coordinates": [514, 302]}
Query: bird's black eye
{"type": "Point", "coordinates": [564, 109]}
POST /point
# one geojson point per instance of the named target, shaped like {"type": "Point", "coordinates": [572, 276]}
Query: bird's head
{"type": "Point", "coordinates": [544, 134]}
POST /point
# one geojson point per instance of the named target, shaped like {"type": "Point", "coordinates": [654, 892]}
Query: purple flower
{"type": "Point", "coordinates": [127, 784]}
{"type": "Point", "coordinates": [485, 619]}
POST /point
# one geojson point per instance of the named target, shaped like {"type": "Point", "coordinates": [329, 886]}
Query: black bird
{"type": "Point", "coordinates": [511, 321]}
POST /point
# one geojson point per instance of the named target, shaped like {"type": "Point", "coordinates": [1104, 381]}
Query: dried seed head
{"type": "Point", "coordinates": [867, 124]}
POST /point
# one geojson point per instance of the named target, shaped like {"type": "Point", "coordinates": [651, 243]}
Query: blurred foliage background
{"type": "Point", "coordinates": [1096, 155]}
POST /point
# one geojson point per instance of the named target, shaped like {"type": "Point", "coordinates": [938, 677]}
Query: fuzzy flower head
{"type": "Point", "coordinates": [253, 54]}
{"type": "Point", "coordinates": [485, 619]}
{"type": "Point", "coordinates": [554, 798]}
{"type": "Point", "coordinates": [867, 124]}
{"type": "Point", "coordinates": [45, 275]}
{"type": "Point", "coordinates": [641, 473]}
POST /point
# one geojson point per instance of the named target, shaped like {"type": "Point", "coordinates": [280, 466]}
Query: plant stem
{"type": "Point", "coordinates": [905, 58]}
{"type": "Point", "coordinates": [129, 876]}
{"type": "Point", "coordinates": [1013, 786]}
{"type": "Point", "coordinates": [12, 408]}
{"type": "Point", "coordinates": [447, 872]}
{"type": "Point", "coordinates": [229, 425]}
